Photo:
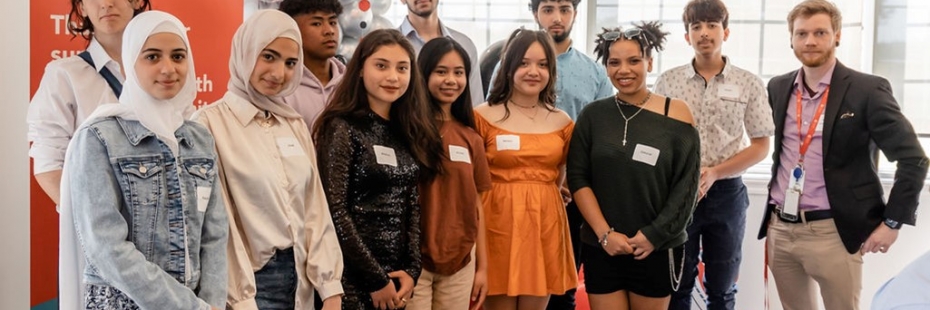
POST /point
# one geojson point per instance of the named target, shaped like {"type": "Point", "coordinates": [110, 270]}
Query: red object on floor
{"type": "Point", "coordinates": [581, 295]}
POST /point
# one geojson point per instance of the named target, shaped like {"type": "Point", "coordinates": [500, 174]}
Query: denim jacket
{"type": "Point", "coordinates": [152, 226]}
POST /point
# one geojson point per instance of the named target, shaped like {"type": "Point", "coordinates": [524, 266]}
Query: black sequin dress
{"type": "Point", "coordinates": [373, 198]}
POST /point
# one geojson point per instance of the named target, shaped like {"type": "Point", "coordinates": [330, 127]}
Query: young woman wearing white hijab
{"type": "Point", "coordinates": [139, 185]}
{"type": "Point", "coordinates": [282, 243]}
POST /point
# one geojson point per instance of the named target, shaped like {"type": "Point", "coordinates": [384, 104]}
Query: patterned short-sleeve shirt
{"type": "Point", "coordinates": [728, 110]}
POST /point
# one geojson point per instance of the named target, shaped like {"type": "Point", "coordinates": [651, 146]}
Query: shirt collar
{"type": "Point", "coordinates": [568, 53]}
{"type": "Point", "coordinates": [406, 28]}
{"type": "Point", "coordinates": [825, 80]}
{"type": "Point", "coordinates": [727, 68]}
{"type": "Point", "coordinates": [135, 132]}
{"type": "Point", "coordinates": [244, 111]}
{"type": "Point", "coordinates": [99, 55]}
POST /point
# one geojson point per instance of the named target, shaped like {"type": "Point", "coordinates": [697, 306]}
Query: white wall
{"type": "Point", "coordinates": [877, 269]}
{"type": "Point", "coordinates": [14, 166]}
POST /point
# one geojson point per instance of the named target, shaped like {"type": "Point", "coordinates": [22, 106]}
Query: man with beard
{"type": "Point", "coordinates": [734, 121]}
{"type": "Point", "coordinates": [322, 71]}
{"type": "Point", "coordinates": [422, 24]}
{"type": "Point", "coordinates": [825, 206]}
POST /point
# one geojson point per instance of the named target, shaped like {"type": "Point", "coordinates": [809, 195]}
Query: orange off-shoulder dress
{"type": "Point", "coordinates": [529, 248]}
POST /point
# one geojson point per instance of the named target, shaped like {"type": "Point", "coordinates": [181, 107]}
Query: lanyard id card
{"type": "Point", "coordinates": [793, 193]}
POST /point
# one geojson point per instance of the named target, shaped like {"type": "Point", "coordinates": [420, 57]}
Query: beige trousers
{"type": "Point", "coordinates": [806, 255]}
{"type": "Point", "coordinates": [441, 292]}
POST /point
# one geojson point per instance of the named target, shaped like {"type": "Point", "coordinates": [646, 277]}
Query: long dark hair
{"type": "Point", "coordinates": [519, 42]}
{"type": "Point", "coordinates": [430, 55]}
{"type": "Point", "coordinates": [85, 28]}
{"type": "Point", "coordinates": [410, 114]}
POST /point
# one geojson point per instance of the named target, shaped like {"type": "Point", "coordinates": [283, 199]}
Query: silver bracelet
{"type": "Point", "coordinates": [603, 240]}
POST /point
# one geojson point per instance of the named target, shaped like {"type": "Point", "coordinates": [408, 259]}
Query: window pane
{"type": "Point", "coordinates": [918, 45]}
{"type": "Point", "coordinates": [918, 12]}
{"type": "Point", "coordinates": [916, 105]}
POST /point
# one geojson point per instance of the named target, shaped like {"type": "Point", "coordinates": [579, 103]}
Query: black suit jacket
{"type": "Point", "coordinates": [861, 117]}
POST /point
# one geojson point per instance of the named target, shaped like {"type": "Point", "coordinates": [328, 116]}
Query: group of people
{"type": "Point", "coordinates": [388, 182]}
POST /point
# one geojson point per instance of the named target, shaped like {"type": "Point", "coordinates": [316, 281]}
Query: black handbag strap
{"type": "Point", "coordinates": [114, 83]}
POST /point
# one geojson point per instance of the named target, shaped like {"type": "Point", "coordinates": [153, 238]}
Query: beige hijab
{"type": "Point", "coordinates": [252, 37]}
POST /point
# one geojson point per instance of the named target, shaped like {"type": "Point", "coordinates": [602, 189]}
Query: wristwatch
{"type": "Point", "coordinates": [893, 224]}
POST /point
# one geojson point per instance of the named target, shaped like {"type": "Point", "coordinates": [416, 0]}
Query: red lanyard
{"type": "Point", "coordinates": [813, 127]}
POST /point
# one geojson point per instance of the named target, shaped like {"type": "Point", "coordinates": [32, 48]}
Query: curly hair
{"type": "Point", "coordinates": [650, 38]}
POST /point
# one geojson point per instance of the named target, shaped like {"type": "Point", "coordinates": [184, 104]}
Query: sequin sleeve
{"type": "Point", "coordinates": [335, 159]}
{"type": "Point", "coordinates": [413, 235]}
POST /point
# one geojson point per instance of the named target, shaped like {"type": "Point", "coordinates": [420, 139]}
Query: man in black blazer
{"type": "Point", "coordinates": [825, 206]}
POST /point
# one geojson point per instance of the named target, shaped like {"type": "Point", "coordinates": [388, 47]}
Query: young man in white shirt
{"type": "Point", "coordinates": [734, 121]}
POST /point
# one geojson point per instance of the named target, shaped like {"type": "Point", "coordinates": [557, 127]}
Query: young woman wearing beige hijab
{"type": "Point", "coordinates": [282, 243]}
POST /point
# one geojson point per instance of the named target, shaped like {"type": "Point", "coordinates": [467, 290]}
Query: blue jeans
{"type": "Point", "coordinates": [715, 237]}
{"type": "Point", "coordinates": [276, 282]}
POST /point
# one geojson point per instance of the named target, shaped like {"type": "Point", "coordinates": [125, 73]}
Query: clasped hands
{"type": "Point", "coordinates": [620, 244]}
{"type": "Point", "coordinates": [388, 297]}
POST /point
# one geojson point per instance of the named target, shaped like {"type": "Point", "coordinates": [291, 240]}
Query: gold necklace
{"type": "Point", "coordinates": [626, 120]}
{"type": "Point", "coordinates": [535, 111]}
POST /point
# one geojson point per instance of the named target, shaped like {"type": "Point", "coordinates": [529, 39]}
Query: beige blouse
{"type": "Point", "coordinates": [274, 199]}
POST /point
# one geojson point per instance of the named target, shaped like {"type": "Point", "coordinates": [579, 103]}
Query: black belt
{"type": "Point", "coordinates": [808, 216]}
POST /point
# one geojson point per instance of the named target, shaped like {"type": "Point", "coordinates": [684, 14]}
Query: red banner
{"type": "Point", "coordinates": [211, 25]}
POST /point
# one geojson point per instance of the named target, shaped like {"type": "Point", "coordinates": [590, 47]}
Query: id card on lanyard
{"type": "Point", "coordinates": [795, 186]}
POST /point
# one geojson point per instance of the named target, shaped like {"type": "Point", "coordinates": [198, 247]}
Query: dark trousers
{"type": "Point", "coordinates": [567, 301]}
{"type": "Point", "coordinates": [715, 237]}
{"type": "Point", "coordinates": [276, 282]}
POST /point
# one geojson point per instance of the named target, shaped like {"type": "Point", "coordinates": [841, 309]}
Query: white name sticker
{"type": "Point", "coordinates": [203, 197]}
{"type": "Point", "coordinates": [385, 155]}
{"type": "Point", "coordinates": [646, 154]}
{"type": "Point", "coordinates": [508, 142]}
{"type": "Point", "coordinates": [820, 124]}
{"type": "Point", "coordinates": [290, 147]}
{"type": "Point", "coordinates": [459, 154]}
{"type": "Point", "coordinates": [728, 91]}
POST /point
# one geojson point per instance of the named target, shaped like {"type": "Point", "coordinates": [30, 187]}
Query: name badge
{"type": "Point", "coordinates": [459, 154]}
{"type": "Point", "coordinates": [508, 142]}
{"type": "Point", "coordinates": [385, 155]}
{"type": "Point", "coordinates": [794, 191]}
{"type": "Point", "coordinates": [290, 147]}
{"type": "Point", "coordinates": [728, 91]}
{"type": "Point", "coordinates": [203, 198]}
{"type": "Point", "coordinates": [820, 124]}
{"type": "Point", "coordinates": [646, 154]}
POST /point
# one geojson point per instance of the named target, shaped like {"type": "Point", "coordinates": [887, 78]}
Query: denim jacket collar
{"type": "Point", "coordinates": [135, 132]}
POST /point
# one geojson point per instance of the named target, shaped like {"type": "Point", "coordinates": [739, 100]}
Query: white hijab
{"type": "Point", "coordinates": [163, 117]}
{"type": "Point", "coordinates": [252, 37]}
